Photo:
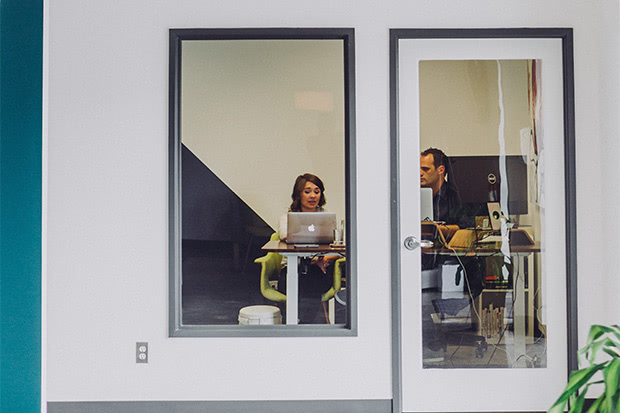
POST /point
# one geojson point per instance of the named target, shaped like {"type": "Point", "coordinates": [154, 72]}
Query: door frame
{"type": "Point", "coordinates": [566, 35]}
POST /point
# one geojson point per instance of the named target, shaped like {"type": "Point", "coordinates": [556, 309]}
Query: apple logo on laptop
{"type": "Point", "coordinates": [311, 228]}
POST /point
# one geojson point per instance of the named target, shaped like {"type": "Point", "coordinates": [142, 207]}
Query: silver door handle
{"type": "Point", "coordinates": [412, 243]}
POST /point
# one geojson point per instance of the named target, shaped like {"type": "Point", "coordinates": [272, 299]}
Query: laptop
{"type": "Point", "coordinates": [310, 227]}
{"type": "Point", "coordinates": [426, 204]}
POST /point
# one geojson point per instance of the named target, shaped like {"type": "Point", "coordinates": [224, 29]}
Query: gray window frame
{"type": "Point", "coordinates": [176, 328]}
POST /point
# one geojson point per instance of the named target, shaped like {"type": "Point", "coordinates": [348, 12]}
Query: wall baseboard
{"type": "Point", "coordinates": [259, 406]}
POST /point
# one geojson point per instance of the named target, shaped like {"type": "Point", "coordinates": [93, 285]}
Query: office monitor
{"type": "Point", "coordinates": [478, 181]}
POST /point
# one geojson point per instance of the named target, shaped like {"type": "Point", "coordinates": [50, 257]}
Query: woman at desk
{"type": "Point", "coordinates": [316, 275]}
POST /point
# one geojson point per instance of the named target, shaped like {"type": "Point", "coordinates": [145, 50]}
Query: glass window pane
{"type": "Point", "coordinates": [256, 114]}
{"type": "Point", "coordinates": [481, 168]}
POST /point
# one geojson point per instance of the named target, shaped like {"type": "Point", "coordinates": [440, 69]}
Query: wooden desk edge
{"type": "Point", "coordinates": [283, 247]}
{"type": "Point", "coordinates": [517, 249]}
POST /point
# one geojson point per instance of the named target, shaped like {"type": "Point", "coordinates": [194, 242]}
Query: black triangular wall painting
{"type": "Point", "coordinates": [211, 210]}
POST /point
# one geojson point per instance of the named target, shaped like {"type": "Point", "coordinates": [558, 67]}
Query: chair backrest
{"type": "Point", "coordinates": [271, 264]}
{"type": "Point", "coordinates": [274, 255]}
{"type": "Point", "coordinates": [336, 285]}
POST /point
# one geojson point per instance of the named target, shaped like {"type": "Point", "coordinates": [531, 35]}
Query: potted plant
{"type": "Point", "coordinates": [600, 339]}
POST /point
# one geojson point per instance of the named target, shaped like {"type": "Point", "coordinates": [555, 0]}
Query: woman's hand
{"type": "Point", "coordinates": [324, 261]}
{"type": "Point", "coordinates": [320, 262]}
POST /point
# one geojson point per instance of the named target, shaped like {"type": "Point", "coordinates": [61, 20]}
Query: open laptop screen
{"type": "Point", "coordinates": [426, 204]}
{"type": "Point", "coordinates": [310, 227]}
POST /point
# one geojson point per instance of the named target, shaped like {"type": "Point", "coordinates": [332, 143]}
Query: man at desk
{"type": "Point", "coordinates": [447, 208]}
{"type": "Point", "coordinates": [434, 174]}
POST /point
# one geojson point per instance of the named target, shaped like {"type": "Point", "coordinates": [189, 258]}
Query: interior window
{"type": "Point", "coordinates": [252, 112]}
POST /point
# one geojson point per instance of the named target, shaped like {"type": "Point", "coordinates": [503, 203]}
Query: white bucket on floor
{"type": "Point", "coordinates": [260, 315]}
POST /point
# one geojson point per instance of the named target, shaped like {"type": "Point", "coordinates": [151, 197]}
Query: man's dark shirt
{"type": "Point", "coordinates": [447, 204]}
{"type": "Point", "coordinates": [447, 207]}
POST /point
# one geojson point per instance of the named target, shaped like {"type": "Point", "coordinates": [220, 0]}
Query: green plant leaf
{"type": "Point", "coordinates": [576, 404]}
{"type": "Point", "coordinates": [611, 373]}
{"type": "Point", "coordinates": [591, 350]}
{"type": "Point", "coordinates": [572, 399]}
{"type": "Point", "coordinates": [616, 403]}
{"type": "Point", "coordinates": [596, 346]}
{"type": "Point", "coordinates": [611, 343]}
{"type": "Point", "coordinates": [597, 403]}
{"type": "Point", "coordinates": [611, 352]}
{"type": "Point", "coordinates": [596, 331]}
{"type": "Point", "coordinates": [578, 378]}
{"type": "Point", "coordinates": [606, 344]}
{"type": "Point", "coordinates": [616, 330]}
{"type": "Point", "coordinates": [558, 407]}
{"type": "Point", "coordinates": [600, 338]}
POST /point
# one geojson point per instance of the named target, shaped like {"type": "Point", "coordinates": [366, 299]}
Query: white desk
{"type": "Point", "coordinates": [292, 277]}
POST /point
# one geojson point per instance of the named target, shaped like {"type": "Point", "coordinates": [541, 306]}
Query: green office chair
{"type": "Point", "coordinates": [329, 294]}
{"type": "Point", "coordinates": [271, 264]}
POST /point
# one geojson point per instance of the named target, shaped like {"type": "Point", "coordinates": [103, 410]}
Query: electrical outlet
{"type": "Point", "coordinates": [142, 352]}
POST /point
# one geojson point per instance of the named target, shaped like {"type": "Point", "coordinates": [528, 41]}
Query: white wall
{"type": "Point", "coordinates": [106, 137]}
{"type": "Point", "coordinates": [609, 124]}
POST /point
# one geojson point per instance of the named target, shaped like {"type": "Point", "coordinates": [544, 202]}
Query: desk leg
{"type": "Point", "coordinates": [291, 290]}
{"type": "Point", "coordinates": [518, 315]}
{"type": "Point", "coordinates": [332, 310]}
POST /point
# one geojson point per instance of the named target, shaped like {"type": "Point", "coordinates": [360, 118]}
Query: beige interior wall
{"type": "Point", "coordinates": [459, 105]}
{"type": "Point", "coordinates": [260, 112]}
{"type": "Point", "coordinates": [460, 112]}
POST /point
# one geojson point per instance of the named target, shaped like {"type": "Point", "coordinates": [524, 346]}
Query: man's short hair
{"type": "Point", "coordinates": [439, 158]}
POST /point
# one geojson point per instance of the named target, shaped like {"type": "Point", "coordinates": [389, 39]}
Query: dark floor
{"type": "Point", "coordinates": [456, 345]}
{"type": "Point", "coordinates": [217, 283]}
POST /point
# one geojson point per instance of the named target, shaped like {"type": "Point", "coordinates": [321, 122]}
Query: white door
{"type": "Point", "coordinates": [483, 326]}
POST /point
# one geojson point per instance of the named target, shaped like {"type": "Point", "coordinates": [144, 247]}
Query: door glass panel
{"type": "Point", "coordinates": [482, 209]}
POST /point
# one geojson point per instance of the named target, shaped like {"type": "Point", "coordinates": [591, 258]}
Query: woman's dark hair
{"type": "Point", "coordinates": [300, 183]}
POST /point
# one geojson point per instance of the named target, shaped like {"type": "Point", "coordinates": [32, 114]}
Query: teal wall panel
{"type": "Point", "coordinates": [21, 51]}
